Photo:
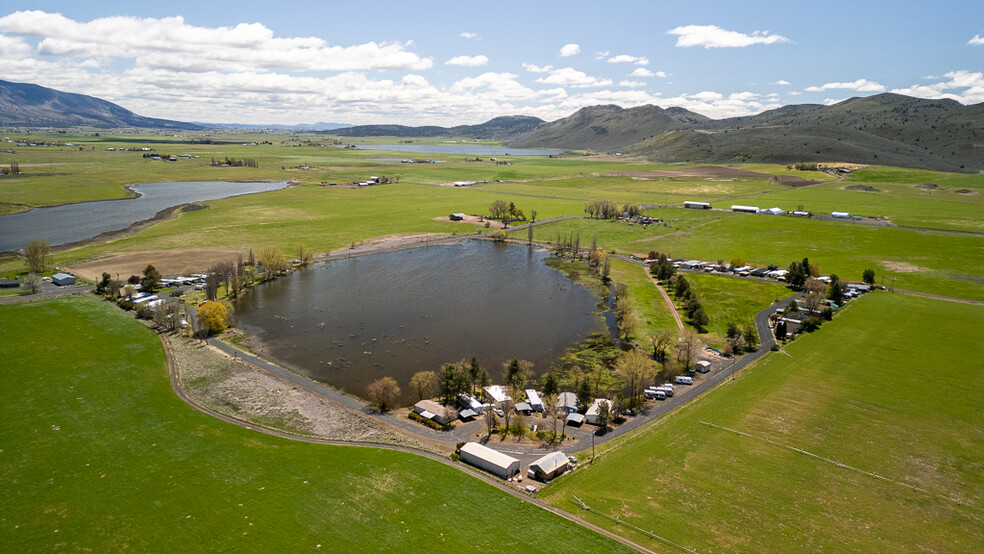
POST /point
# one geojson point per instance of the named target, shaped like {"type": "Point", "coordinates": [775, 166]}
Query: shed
{"type": "Point", "coordinates": [489, 460]}
{"type": "Point", "coordinates": [591, 416]}
{"type": "Point", "coordinates": [745, 209]}
{"type": "Point", "coordinates": [457, 216]}
{"type": "Point", "coordinates": [574, 418]}
{"type": "Point", "coordinates": [523, 408]}
{"type": "Point", "coordinates": [567, 401]}
{"type": "Point", "coordinates": [533, 399]}
{"type": "Point", "coordinates": [9, 283]}
{"type": "Point", "coordinates": [697, 205]}
{"type": "Point", "coordinates": [63, 279]}
{"type": "Point", "coordinates": [431, 410]}
{"type": "Point", "coordinates": [703, 366]}
{"type": "Point", "coordinates": [549, 466]}
{"type": "Point", "coordinates": [467, 414]}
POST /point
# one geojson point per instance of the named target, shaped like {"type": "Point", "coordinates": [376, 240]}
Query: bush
{"type": "Point", "coordinates": [144, 312]}
{"type": "Point", "coordinates": [827, 314]}
{"type": "Point", "coordinates": [811, 324]}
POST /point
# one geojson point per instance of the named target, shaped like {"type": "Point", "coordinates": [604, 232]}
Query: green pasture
{"type": "Point", "coordinates": [730, 300]}
{"type": "Point", "coordinates": [652, 313]}
{"type": "Point", "coordinates": [890, 387]}
{"type": "Point", "coordinates": [936, 262]}
{"type": "Point", "coordinates": [98, 454]}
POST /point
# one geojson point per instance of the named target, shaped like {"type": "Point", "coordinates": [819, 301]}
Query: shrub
{"type": "Point", "coordinates": [811, 324]}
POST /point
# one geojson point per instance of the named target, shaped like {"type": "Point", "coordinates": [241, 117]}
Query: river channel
{"type": "Point", "coordinates": [350, 322]}
{"type": "Point", "coordinates": [84, 220]}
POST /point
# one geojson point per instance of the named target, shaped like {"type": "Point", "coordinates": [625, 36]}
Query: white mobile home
{"type": "Point", "coordinates": [567, 401]}
{"type": "Point", "coordinates": [468, 402]}
{"type": "Point", "coordinates": [489, 460]}
{"type": "Point", "coordinates": [841, 215]}
{"type": "Point", "coordinates": [495, 393]}
{"type": "Point", "coordinates": [533, 399]}
{"type": "Point", "coordinates": [591, 416]}
{"type": "Point", "coordinates": [431, 410]}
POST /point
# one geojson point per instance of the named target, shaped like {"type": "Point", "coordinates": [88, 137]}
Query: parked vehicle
{"type": "Point", "coordinates": [683, 380]}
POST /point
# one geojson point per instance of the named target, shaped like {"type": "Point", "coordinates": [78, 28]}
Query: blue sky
{"type": "Point", "coordinates": [451, 63]}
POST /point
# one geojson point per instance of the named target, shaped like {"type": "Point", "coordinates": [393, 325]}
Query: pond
{"type": "Point", "coordinates": [350, 322]}
{"type": "Point", "coordinates": [470, 149]}
{"type": "Point", "coordinates": [84, 220]}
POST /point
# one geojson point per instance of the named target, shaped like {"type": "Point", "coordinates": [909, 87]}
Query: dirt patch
{"type": "Point", "coordinates": [240, 390]}
{"type": "Point", "coordinates": [167, 262]}
{"type": "Point", "coordinates": [718, 172]}
{"type": "Point", "coordinates": [965, 191]}
{"type": "Point", "coordinates": [387, 243]}
{"type": "Point", "coordinates": [474, 220]}
{"type": "Point", "coordinates": [928, 186]}
{"type": "Point", "coordinates": [862, 188]}
{"type": "Point", "coordinates": [904, 267]}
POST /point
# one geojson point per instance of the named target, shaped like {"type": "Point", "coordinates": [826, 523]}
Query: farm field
{"type": "Point", "coordinates": [859, 392]}
{"type": "Point", "coordinates": [99, 454]}
{"type": "Point", "coordinates": [652, 313]}
{"type": "Point", "coordinates": [729, 300]}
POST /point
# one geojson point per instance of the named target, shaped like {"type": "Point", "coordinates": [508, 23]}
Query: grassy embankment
{"type": "Point", "coordinates": [99, 454]}
{"type": "Point", "coordinates": [887, 387]}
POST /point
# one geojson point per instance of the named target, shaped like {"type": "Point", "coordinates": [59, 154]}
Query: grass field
{"type": "Point", "coordinates": [97, 453]}
{"type": "Point", "coordinates": [647, 303]}
{"type": "Point", "coordinates": [887, 387]}
{"type": "Point", "coordinates": [729, 300]}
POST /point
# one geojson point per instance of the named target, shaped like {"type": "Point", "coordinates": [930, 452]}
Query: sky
{"type": "Point", "coordinates": [450, 63]}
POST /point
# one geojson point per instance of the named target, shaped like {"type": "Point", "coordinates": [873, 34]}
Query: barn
{"type": "Point", "coordinates": [486, 459]}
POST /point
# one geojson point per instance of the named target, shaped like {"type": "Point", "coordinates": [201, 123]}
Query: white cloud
{"type": "Point", "coordinates": [625, 58]}
{"type": "Point", "coordinates": [861, 85]}
{"type": "Point", "coordinates": [601, 54]}
{"type": "Point", "coordinates": [712, 36]}
{"type": "Point", "coordinates": [469, 61]}
{"type": "Point", "coordinates": [966, 87]}
{"type": "Point", "coordinates": [570, 50]}
{"type": "Point", "coordinates": [568, 76]}
{"type": "Point", "coordinates": [643, 72]}
{"type": "Point", "coordinates": [978, 40]}
{"type": "Point", "coordinates": [171, 43]}
{"type": "Point", "coordinates": [467, 34]}
{"type": "Point", "coordinates": [537, 69]}
{"type": "Point", "coordinates": [832, 101]}
{"type": "Point", "coordinates": [781, 82]}
{"type": "Point", "coordinates": [631, 84]}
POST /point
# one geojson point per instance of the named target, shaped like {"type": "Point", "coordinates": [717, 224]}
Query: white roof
{"type": "Point", "coordinates": [704, 363]}
{"type": "Point", "coordinates": [550, 462]}
{"type": "Point", "coordinates": [740, 207]}
{"type": "Point", "coordinates": [492, 456]}
{"type": "Point", "coordinates": [497, 392]}
{"type": "Point", "coordinates": [595, 406]}
{"type": "Point", "coordinates": [533, 397]}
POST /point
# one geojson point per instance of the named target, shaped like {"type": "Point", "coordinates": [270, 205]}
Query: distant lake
{"type": "Point", "coordinates": [84, 220]}
{"type": "Point", "coordinates": [470, 149]}
{"type": "Point", "coordinates": [350, 322]}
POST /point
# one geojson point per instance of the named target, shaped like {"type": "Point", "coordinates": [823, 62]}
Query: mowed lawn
{"type": "Point", "coordinates": [893, 386]}
{"type": "Point", "coordinates": [98, 454]}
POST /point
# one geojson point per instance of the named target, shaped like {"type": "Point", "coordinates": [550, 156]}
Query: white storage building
{"type": "Point", "coordinates": [485, 458]}
{"type": "Point", "coordinates": [745, 209]}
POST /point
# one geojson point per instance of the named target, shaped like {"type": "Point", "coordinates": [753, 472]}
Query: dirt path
{"type": "Point", "coordinates": [673, 310]}
{"type": "Point", "coordinates": [179, 391]}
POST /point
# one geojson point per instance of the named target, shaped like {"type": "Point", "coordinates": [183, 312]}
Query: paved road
{"type": "Point", "coordinates": [48, 290]}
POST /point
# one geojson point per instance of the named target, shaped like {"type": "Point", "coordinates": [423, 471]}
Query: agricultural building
{"type": "Point", "coordinates": [549, 466]}
{"type": "Point", "coordinates": [489, 460]}
{"type": "Point", "coordinates": [841, 215]}
{"type": "Point", "coordinates": [63, 279]}
{"type": "Point", "coordinates": [533, 399]}
{"type": "Point", "coordinates": [745, 209]}
{"type": "Point", "coordinates": [697, 205]}
{"type": "Point", "coordinates": [457, 216]}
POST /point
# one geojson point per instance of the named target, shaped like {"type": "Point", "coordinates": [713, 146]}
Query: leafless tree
{"type": "Point", "coordinates": [689, 346]}
{"type": "Point", "coordinates": [36, 253]}
{"type": "Point", "coordinates": [384, 393]}
{"type": "Point", "coordinates": [637, 370]}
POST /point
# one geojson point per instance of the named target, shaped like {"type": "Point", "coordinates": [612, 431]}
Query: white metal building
{"type": "Point", "coordinates": [745, 209]}
{"type": "Point", "coordinates": [485, 458]}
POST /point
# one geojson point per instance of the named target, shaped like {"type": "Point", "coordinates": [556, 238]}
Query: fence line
{"type": "Point", "coordinates": [619, 521]}
{"type": "Point", "coordinates": [852, 468]}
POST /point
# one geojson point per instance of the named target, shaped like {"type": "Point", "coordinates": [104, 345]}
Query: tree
{"type": "Point", "coordinates": [637, 370]}
{"type": "Point", "coordinates": [104, 283]}
{"type": "Point", "coordinates": [423, 383]}
{"type": "Point", "coordinates": [835, 292]}
{"type": "Point", "coordinates": [550, 410]}
{"type": "Point", "coordinates": [272, 261]}
{"type": "Point", "coordinates": [781, 330]}
{"type": "Point", "coordinates": [812, 301]}
{"type": "Point", "coordinates": [213, 316]}
{"type": "Point", "coordinates": [532, 216]}
{"type": "Point", "coordinates": [490, 420]}
{"type": "Point", "coordinates": [868, 276]}
{"type": "Point", "coordinates": [36, 253]}
{"type": "Point", "coordinates": [688, 347]}
{"type": "Point", "coordinates": [681, 286]}
{"type": "Point", "coordinates": [33, 282]}
{"type": "Point", "coordinates": [213, 278]}
{"type": "Point", "coordinates": [584, 394]}
{"type": "Point", "coordinates": [604, 415]}
{"type": "Point", "coordinates": [384, 393]}
{"type": "Point", "coordinates": [750, 336]}
{"type": "Point", "coordinates": [498, 209]}
{"type": "Point", "coordinates": [304, 255]}
{"type": "Point", "coordinates": [660, 342]}
{"type": "Point", "coordinates": [700, 320]}
{"type": "Point", "coordinates": [606, 269]}
{"type": "Point", "coordinates": [151, 279]}
{"type": "Point", "coordinates": [515, 373]}
{"type": "Point", "coordinates": [452, 381]}
{"type": "Point", "coordinates": [529, 234]}
{"type": "Point", "coordinates": [499, 235]}
{"type": "Point", "coordinates": [507, 411]}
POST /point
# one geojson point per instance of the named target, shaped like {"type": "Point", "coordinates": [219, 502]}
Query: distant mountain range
{"type": "Point", "coordinates": [25, 105]}
{"type": "Point", "coordinates": [888, 129]}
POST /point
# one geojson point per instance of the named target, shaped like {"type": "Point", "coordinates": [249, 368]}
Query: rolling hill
{"type": "Point", "coordinates": [499, 128]}
{"type": "Point", "coordinates": [36, 106]}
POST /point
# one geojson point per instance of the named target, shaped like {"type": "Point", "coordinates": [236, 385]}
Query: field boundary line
{"type": "Point", "coordinates": [957, 501]}
{"type": "Point", "coordinates": [619, 521]}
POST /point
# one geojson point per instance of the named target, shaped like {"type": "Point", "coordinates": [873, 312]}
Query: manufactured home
{"type": "Point", "coordinates": [533, 399]}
